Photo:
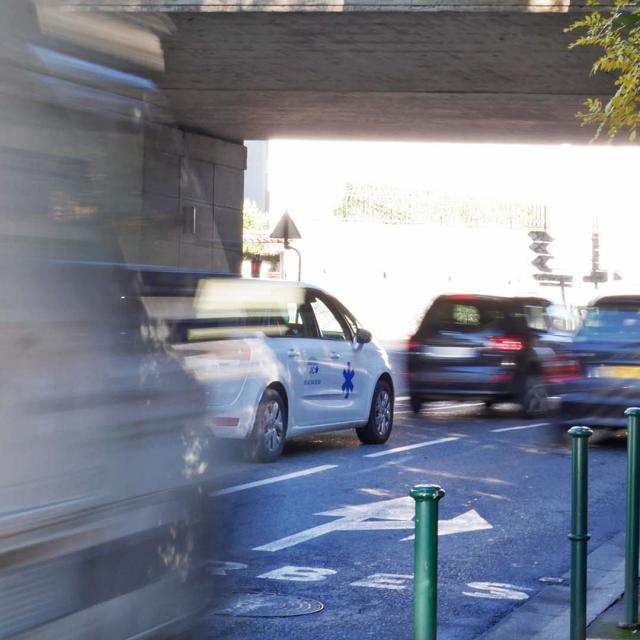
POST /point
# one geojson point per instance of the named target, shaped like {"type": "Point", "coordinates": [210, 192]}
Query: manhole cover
{"type": "Point", "coordinates": [266, 605]}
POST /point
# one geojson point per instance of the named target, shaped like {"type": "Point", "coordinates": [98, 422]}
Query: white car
{"type": "Point", "coordinates": [283, 359]}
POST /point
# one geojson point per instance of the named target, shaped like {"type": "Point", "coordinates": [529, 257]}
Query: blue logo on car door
{"type": "Point", "coordinates": [348, 375]}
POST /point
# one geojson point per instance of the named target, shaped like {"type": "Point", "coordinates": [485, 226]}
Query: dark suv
{"type": "Point", "coordinates": [481, 347]}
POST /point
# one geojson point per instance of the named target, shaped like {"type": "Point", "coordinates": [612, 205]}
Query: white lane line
{"type": "Point", "coordinates": [388, 452]}
{"type": "Point", "coordinates": [260, 483]}
{"type": "Point", "coordinates": [455, 405]}
{"type": "Point", "coordinates": [522, 426]}
{"type": "Point", "coordinates": [401, 398]}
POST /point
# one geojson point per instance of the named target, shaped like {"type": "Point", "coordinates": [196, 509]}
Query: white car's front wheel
{"type": "Point", "coordinates": [267, 437]}
{"type": "Point", "coordinates": [378, 429]}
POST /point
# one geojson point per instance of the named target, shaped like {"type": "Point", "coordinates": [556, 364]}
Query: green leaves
{"type": "Point", "coordinates": [628, 19]}
{"type": "Point", "coordinates": [618, 35]}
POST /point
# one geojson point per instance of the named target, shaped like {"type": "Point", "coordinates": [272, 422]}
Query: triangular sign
{"type": "Point", "coordinates": [285, 229]}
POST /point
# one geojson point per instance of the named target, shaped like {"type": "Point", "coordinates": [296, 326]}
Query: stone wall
{"type": "Point", "coordinates": [192, 195]}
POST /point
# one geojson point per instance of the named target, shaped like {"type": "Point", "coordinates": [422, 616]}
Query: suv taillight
{"type": "Point", "coordinates": [505, 343]}
{"type": "Point", "coordinates": [413, 344]}
{"type": "Point", "coordinates": [563, 370]}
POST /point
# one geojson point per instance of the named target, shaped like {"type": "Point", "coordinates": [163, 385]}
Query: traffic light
{"type": "Point", "coordinates": [540, 247]}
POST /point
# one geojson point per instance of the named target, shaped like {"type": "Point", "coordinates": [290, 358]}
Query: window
{"type": "Point", "coordinates": [536, 317]}
{"type": "Point", "coordinates": [297, 321]}
{"type": "Point", "coordinates": [461, 315]}
{"type": "Point", "coordinates": [228, 308]}
{"type": "Point", "coordinates": [351, 322]}
{"type": "Point", "coordinates": [611, 324]}
{"type": "Point", "coordinates": [347, 316]}
{"type": "Point", "coordinates": [329, 325]}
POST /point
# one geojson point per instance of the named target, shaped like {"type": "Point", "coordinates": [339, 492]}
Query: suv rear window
{"type": "Point", "coordinates": [462, 315]}
{"type": "Point", "coordinates": [610, 323]}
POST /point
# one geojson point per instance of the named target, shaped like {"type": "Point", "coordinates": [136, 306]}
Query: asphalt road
{"type": "Point", "coordinates": [329, 522]}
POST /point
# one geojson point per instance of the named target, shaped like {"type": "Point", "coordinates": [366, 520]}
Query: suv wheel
{"type": "Point", "coordinates": [534, 398]}
{"type": "Point", "coordinates": [378, 429]}
{"type": "Point", "coordinates": [267, 438]}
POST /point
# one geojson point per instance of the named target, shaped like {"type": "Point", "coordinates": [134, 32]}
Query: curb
{"type": "Point", "coordinates": [546, 615]}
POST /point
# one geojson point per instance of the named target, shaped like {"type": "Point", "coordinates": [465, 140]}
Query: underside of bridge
{"type": "Point", "coordinates": [235, 70]}
{"type": "Point", "coordinates": [452, 71]}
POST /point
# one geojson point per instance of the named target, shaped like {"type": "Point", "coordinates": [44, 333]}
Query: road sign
{"type": "Point", "coordinates": [285, 229]}
{"type": "Point", "coordinates": [540, 236]}
{"type": "Point", "coordinates": [540, 263]}
{"type": "Point", "coordinates": [395, 514]}
{"type": "Point", "coordinates": [540, 246]}
{"type": "Point", "coordinates": [596, 277]}
{"type": "Point", "coordinates": [552, 278]}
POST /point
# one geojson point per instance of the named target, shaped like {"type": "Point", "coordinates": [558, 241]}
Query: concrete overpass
{"type": "Point", "coordinates": [233, 70]}
{"type": "Point", "coordinates": [454, 70]}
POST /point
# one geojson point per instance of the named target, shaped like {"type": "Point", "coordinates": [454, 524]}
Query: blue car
{"type": "Point", "coordinates": [598, 375]}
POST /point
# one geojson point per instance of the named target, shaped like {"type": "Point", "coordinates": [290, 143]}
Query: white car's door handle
{"type": "Point", "coordinates": [293, 353]}
{"type": "Point", "coordinates": [335, 355]}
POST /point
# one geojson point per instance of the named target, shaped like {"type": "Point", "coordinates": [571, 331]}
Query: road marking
{"type": "Point", "coordinates": [456, 405]}
{"type": "Point", "coordinates": [409, 447]}
{"type": "Point", "coordinates": [496, 591]}
{"type": "Point", "coordinates": [382, 515]}
{"type": "Point", "coordinates": [299, 574]}
{"type": "Point", "coordinates": [468, 521]}
{"type": "Point", "coordinates": [220, 568]}
{"type": "Point", "coordinates": [393, 581]}
{"type": "Point", "coordinates": [260, 483]}
{"type": "Point", "coordinates": [402, 398]}
{"type": "Point", "coordinates": [522, 426]}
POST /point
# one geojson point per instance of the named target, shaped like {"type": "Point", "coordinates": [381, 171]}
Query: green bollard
{"type": "Point", "coordinates": [579, 536]}
{"type": "Point", "coordinates": [633, 523]}
{"type": "Point", "coordinates": [425, 581]}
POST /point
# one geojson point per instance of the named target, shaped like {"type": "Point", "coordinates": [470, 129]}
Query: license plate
{"type": "Point", "coordinates": [449, 352]}
{"type": "Point", "coordinates": [619, 371]}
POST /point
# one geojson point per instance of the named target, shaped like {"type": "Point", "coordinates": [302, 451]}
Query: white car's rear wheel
{"type": "Point", "coordinates": [269, 430]}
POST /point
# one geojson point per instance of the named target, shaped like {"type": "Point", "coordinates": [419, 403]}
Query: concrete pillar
{"type": "Point", "coordinates": [192, 194]}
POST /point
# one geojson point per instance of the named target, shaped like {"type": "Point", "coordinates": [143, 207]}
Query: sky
{"type": "Point", "coordinates": [305, 176]}
{"type": "Point", "coordinates": [584, 187]}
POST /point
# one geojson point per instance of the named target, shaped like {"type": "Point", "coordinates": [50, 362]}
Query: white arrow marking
{"type": "Point", "coordinates": [469, 521]}
{"type": "Point", "coordinates": [383, 515]}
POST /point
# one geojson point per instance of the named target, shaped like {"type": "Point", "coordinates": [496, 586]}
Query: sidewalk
{"type": "Point", "coordinates": [606, 626]}
{"type": "Point", "coordinates": [546, 615]}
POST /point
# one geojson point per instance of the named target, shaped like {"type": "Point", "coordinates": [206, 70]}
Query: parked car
{"type": "Point", "coordinates": [489, 348]}
{"type": "Point", "coordinates": [599, 376]}
{"type": "Point", "coordinates": [283, 359]}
